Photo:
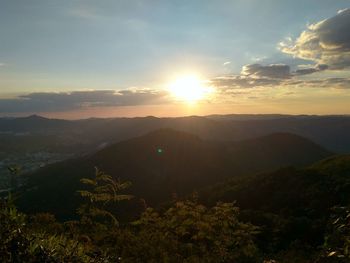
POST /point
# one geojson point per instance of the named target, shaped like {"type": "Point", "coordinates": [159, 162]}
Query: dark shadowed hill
{"type": "Point", "coordinates": [289, 204]}
{"type": "Point", "coordinates": [275, 150]}
{"type": "Point", "coordinates": [164, 162]}
{"type": "Point", "coordinates": [331, 132]}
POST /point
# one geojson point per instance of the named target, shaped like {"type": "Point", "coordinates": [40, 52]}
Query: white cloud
{"type": "Point", "coordinates": [325, 42]}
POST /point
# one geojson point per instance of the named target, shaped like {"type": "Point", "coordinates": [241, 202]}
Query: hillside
{"type": "Point", "coordinates": [273, 151]}
{"type": "Point", "coordinates": [165, 162]}
{"type": "Point", "coordinates": [290, 205]}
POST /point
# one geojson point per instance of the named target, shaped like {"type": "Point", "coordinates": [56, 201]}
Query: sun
{"type": "Point", "coordinates": [189, 88]}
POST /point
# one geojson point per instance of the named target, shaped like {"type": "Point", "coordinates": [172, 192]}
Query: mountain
{"type": "Point", "coordinates": [273, 151]}
{"type": "Point", "coordinates": [332, 132]}
{"type": "Point", "coordinates": [290, 205]}
{"type": "Point", "coordinates": [164, 162]}
{"type": "Point", "coordinates": [33, 123]}
{"type": "Point", "coordinates": [289, 187]}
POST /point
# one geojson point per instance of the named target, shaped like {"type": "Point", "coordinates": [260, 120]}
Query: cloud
{"type": "Point", "coordinates": [334, 83]}
{"type": "Point", "coordinates": [83, 12]}
{"type": "Point", "coordinates": [326, 42]}
{"type": "Point", "coordinates": [254, 76]}
{"type": "Point", "coordinates": [278, 71]}
{"type": "Point", "coordinates": [64, 101]}
{"type": "Point", "coordinates": [310, 70]}
{"type": "Point", "coordinates": [225, 83]}
{"type": "Point", "coordinates": [276, 76]}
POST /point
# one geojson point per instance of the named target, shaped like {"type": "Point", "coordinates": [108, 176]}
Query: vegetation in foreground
{"type": "Point", "coordinates": [188, 231]}
{"type": "Point", "coordinates": [185, 232]}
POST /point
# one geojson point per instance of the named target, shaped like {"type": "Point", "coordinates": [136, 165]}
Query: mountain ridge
{"type": "Point", "coordinates": [159, 164]}
{"type": "Point", "coordinates": [332, 132]}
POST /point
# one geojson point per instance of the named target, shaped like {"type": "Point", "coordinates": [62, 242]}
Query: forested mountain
{"type": "Point", "coordinates": [278, 196]}
{"type": "Point", "coordinates": [163, 163]}
{"type": "Point", "coordinates": [292, 206]}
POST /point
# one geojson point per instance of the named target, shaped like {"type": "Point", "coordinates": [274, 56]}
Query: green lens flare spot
{"type": "Point", "coordinates": [160, 150]}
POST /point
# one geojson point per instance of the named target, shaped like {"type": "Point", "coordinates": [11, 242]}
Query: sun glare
{"type": "Point", "coordinates": [189, 88]}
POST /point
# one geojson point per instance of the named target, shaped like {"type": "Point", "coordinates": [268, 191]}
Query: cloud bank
{"type": "Point", "coordinates": [278, 76]}
{"type": "Point", "coordinates": [66, 101]}
{"type": "Point", "coordinates": [326, 42]}
{"type": "Point", "coordinates": [272, 71]}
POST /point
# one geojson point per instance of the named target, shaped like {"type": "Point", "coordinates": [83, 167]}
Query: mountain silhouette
{"type": "Point", "coordinates": [165, 162]}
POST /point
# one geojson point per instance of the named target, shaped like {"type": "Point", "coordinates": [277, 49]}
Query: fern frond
{"type": "Point", "coordinates": [88, 181]}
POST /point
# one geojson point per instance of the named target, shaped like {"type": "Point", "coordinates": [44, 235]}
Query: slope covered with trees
{"type": "Point", "coordinates": [163, 163]}
{"type": "Point", "coordinates": [291, 206]}
{"type": "Point", "coordinates": [289, 215]}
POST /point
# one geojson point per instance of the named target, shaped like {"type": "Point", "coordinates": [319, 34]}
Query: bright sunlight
{"type": "Point", "coordinates": [189, 88]}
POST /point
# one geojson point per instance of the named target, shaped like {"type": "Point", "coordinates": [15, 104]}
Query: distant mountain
{"type": "Point", "coordinates": [164, 162]}
{"type": "Point", "coordinates": [245, 117]}
{"type": "Point", "coordinates": [33, 123]}
{"type": "Point", "coordinates": [332, 132]}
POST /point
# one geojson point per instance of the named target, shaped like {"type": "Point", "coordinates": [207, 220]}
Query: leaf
{"type": "Point", "coordinates": [331, 254]}
{"type": "Point", "coordinates": [88, 181]}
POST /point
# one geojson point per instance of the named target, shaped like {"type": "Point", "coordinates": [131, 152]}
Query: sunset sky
{"type": "Point", "coordinates": [83, 58]}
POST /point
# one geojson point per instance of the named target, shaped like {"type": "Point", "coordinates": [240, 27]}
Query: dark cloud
{"type": "Point", "coordinates": [256, 76]}
{"type": "Point", "coordinates": [253, 76]}
{"type": "Point", "coordinates": [326, 42]}
{"type": "Point", "coordinates": [338, 83]}
{"type": "Point", "coordinates": [234, 82]}
{"type": "Point", "coordinates": [64, 101]}
{"type": "Point", "coordinates": [231, 83]}
{"type": "Point", "coordinates": [335, 83]}
{"type": "Point", "coordinates": [277, 71]}
{"type": "Point", "coordinates": [306, 71]}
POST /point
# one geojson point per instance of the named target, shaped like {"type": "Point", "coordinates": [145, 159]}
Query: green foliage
{"type": "Point", "coordinates": [10, 181]}
{"type": "Point", "coordinates": [105, 189]}
{"type": "Point", "coordinates": [186, 232]}
{"type": "Point", "coordinates": [337, 241]}
{"type": "Point", "coordinates": [20, 242]}
{"type": "Point", "coordinates": [288, 211]}
{"type": "Point", "coordinates": [291, 206]}
{"type": "Point", "coordinates": [13, 241]}
{"type": "Point", "coordinates": [191, 232]}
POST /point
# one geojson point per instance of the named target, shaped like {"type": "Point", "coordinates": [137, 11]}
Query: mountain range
{"type": "Point", "coordinates": [331, 132]}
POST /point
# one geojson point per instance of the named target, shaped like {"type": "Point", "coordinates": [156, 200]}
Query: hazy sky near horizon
{"type": "Point", "coordinates": [72, 58]}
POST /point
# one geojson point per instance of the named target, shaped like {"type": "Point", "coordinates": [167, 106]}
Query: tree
{"type": "Point", "coordinates": [105, 190]}
{"type": "Point", "coordinates": [191, 232]}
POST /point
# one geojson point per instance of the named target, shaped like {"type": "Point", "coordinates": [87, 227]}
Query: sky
{"type": "Point", "coordinates": [104, 58]}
